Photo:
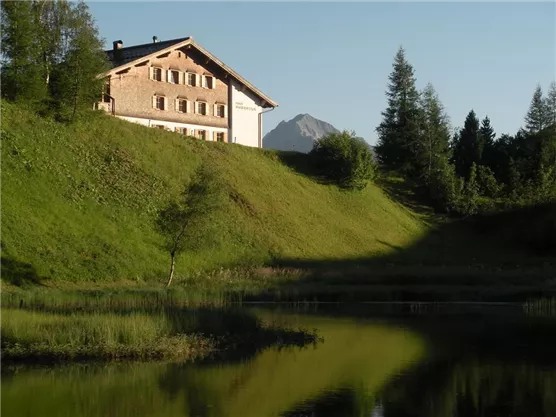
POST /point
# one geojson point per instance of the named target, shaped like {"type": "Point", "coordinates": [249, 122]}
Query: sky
{"type": "Point", "coordinates": [332, 60]}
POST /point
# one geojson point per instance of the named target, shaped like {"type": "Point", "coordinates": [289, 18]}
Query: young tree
{"type": "Point", "coordinates": [399, 130]}
{"type": "Point", "coordinates": [75, 83]}
{"type": "Point", "coordinates": [21, 71]}
{"type": "Point", "coordinates": [434, 138]}
{"type": "Point", "coordinates": [191, 221]}
{"type": "Point", "coordinates": [468, 146]}
{"type": "Point", "coordinates": [537, 117]}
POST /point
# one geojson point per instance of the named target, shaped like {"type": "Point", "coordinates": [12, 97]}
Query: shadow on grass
{"type": "Point", "coordinates": [406, 193]}
{"type": "Point", "coordinates": [15, 272]}
{"type": "Point", "coordinates": [505, 257]}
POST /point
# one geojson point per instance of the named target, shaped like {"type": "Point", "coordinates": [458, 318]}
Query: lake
{"type": "Point", "coordinates": [375, 360]}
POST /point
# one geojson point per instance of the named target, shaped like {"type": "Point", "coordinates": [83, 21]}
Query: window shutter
{"type": "Point", "coordinates": [197, 80]}
{"type": "Point", "coordinates": [176, 105]}
{"type": "Point", "coordinates": [196, 107]}
{"type": "Point", "coordinates": [192, 132]}
{"type": "Point", "coordinates": [165, 103]}
{"type": "Point", "coordinates": [214, 136]}
{"type": "Point", "coordinates": [187, 109]}
{"type": "Point", "coordinates": [213, 83]}
{"type": "Point", "coordinates": [169, 76]}
{"type": "Point", "coordinates": [180, 77]}
{"type": "Point", "coordinates": [215, 109]}
{"type": "Point", "coordinates": [154, 102]}
{"type": "Point", "coordinates": [225, 111]}
{"type": "Point", "coordinates": [151, 73]}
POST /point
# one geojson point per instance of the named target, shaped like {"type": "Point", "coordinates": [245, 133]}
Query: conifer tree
{"type": "Point", "coordinates": [21, 71]}
{"type": "Point", "coordinates": [468, 145]}
{"type": "Point", "coordinates": [398, 132]}
{"type": "Point", "coordinates": [487, 139]}
{"type": "Point", "coordinates": [537, 117]}
{"type": "Point", "coordinates": [435, 134]}
{"type": "Point", "coordinates": [551, 104]}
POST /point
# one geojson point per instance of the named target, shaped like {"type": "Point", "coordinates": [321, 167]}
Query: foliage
{"type": "Point", "coordinates": [53, 56]}
{"type": "Point", "coordinates": [398, 132]}
{"type": "Point", "coordinates": [191, 221]}
{"type": "Point", "coordinates": [538, 116]}
{"type": "Point", "coordinates": [75, 82]}
{"type": "Point", "coordinates": [21, 69]}
{"type": "Point", "coordinates": [433, 145]}
{"type": "Point", "coordinates": [488, 186]}
{"type": "Point", "coordinates": [445, 187]}
{"type": "Point", "coordinates": [344, 159]}
{"type": "Point", "coordinates": [468, 146]}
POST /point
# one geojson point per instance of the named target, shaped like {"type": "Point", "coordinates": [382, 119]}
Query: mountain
{"type": "Point", "coordinates": [298, 134]}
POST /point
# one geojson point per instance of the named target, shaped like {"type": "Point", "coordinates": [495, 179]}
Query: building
{"type": "Point", "coordinates": [179, 86]}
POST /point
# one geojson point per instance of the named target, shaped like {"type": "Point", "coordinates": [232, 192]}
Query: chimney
{"type": "Point", "coordinates": [118, 44]}
{"type": "Point", "coordinates": [155, 39]}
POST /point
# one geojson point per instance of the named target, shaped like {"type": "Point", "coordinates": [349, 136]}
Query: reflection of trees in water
{"type": "Point", "coordinates": [489, 369]}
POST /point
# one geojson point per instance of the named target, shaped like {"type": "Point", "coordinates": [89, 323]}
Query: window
{"type": "Point", "coordinates": [202, 134]}
{"type": "Point", "coordinates": [202, 108]}
{"type": "Point", "coordinates": [220, 136]}
{"type": "Point", "coordinates": [182, 106]}
{"type": "Point", "coordinates": [208, 81]}
{"type": "Point", "coordinates": [191, 79]}
{"type": "Point", "coordinates": [159, 102]}
{"type": "Point", "coordinates": [182, 130]}
{"type": "Point", "coordinates": [174, 77]}
{"type": "Point", "coordinates": [159, 127]}
{"type": "Point", "coordinates": [220, 110]}
{"type": "Point", "coordinates": [157, 74]}
{"type": "Point", "coordinates": [106, 93]}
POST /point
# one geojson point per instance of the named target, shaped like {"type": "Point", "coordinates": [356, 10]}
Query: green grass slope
{"type": "Point", "coordinates": [78, 203]}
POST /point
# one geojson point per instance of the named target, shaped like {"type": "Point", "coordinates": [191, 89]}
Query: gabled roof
{"type": "Point", "coordinates": [136, 54]}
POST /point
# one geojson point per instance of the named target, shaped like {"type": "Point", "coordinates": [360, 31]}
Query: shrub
{"type": "Point", "coordinates": [344, 160]}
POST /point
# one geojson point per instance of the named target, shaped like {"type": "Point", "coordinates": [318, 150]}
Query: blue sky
{"type": "Point", "coordinates": [332, 60]}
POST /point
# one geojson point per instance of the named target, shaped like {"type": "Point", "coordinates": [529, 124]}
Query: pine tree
{"type": "Point", "coordinates": [468, 145]}
{"type": "Point", "coordinates": [21, 72]}
{"type": "Point", "coordinates": [537, 117]}
{"type": "Point", "coordinates": [435, 135]}
{"type": "Point", "coordinates": [551, 104]}
{"type": "Point", "coordinates": [487, 140]}
{"type": "Point", "coordinates": [398, 132]}
{"type": "Point", "coordinates": [75, 83]}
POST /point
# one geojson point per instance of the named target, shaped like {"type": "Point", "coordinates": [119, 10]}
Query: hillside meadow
{"type": "Point", "coordinates": [79, 202]}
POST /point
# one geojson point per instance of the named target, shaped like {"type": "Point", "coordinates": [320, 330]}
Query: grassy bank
{"type": "Point", "coordinates": [78, 204]}
{"type": "Point", "coordinates": [62, 326]}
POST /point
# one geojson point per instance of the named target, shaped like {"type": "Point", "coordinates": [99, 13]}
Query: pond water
{"type": "Point", "coordinates": [374, 361]}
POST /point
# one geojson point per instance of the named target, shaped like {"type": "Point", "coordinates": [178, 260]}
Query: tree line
{"type": "Point", "coordinates": [52, 55]}
{"type": "Point", "coordinates": [471, 170]}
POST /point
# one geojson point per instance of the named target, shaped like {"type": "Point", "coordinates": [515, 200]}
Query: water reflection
{"type": "Point", "coordinates": [432, 366]}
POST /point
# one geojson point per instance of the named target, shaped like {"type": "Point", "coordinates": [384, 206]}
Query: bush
{"type": "Point", "coordinates": [344, 160]}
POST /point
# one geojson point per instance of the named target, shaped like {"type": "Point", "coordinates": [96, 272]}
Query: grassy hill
{"type": "Point", "coordinates": [78, 204]}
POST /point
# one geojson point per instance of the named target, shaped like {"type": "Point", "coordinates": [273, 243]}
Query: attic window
{"type": "Point", "coordinates": [191, 79]}
{"type": "Point", "coordinates": [174, 77]}
{"type": "Point", "coordinates": [156, 73]}
{"type": "Point", "coordinates": [208, 81]}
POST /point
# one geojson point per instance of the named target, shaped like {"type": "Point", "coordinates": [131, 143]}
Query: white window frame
{"type": "Point", "coordinates": [153, 70]}
{"type": "Point", "coordinates": [195, 78]}
{"type": "Point", "coordinates": [198, 134]}
{"type": "Point", "coordinates": [155, 102]}
{"type": "Point", "coordinates": [218, 106]}
{"type": "Point", "coordinates": [206, 83]}
{"type": "Point", "coordinates": [171, 76]}
{"type": "Point", "coordinates": [220, 133]}
{"type": "Point", "coordinates": [178, 104]}
{"type": "Point", "coordinates": [198, 108]}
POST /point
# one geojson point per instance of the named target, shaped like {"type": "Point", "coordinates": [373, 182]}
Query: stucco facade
{"type": "Point", "coordinates": [182, 87]}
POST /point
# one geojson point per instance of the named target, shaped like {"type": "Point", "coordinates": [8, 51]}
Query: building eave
{"type": "Point", "coordinates": [267, 101]}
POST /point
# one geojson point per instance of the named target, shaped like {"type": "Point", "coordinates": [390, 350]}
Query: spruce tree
{"type": "Point", "coordinates": [21, 71]}
{"type": "Point", "coordinates": [537, 117]}
{"type": "Point", "coordinates": [487, 140]}
{"type": "Point", "coordinates": [435, 134]}
{"type": "Point", "coordinates": [398, 141]}
{"type": "Point", "coordinates": [75, 83]}
{"type": "Point", "coordinates": [551, 104]}
{"type": "Point", "coordinates": [468, 145]}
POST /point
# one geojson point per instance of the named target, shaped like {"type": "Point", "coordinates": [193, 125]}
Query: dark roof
{"type": "Point", "coordinates": [131, 53]}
